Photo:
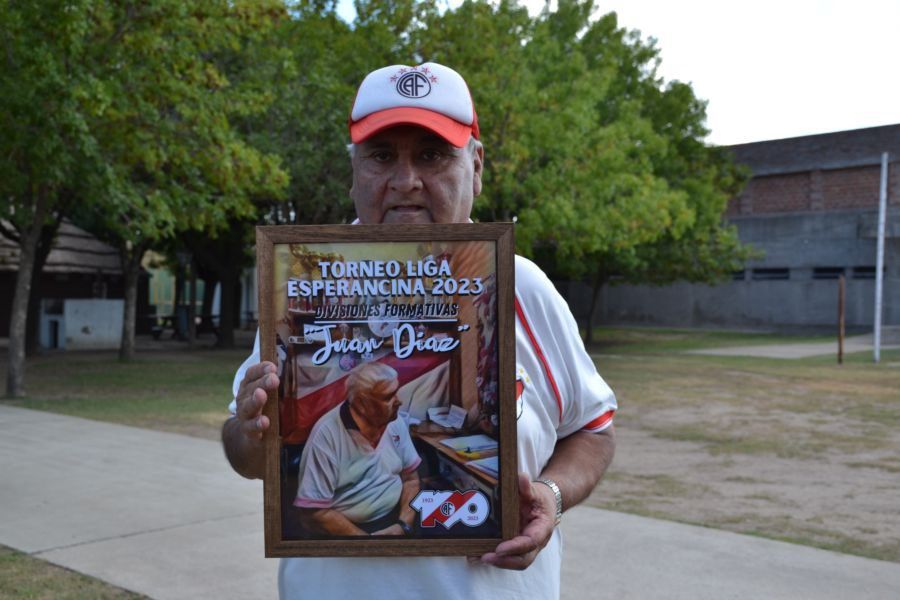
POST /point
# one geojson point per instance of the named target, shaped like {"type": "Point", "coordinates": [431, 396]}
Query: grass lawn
{"type": "Point", "coordinates": [179, 391]}
{"type": "Point", "coordinates": [655, 340]}
{"type": "Point", "coordinates": [25, 578]}
{"type": "Point", "coordinates": [802, 450]}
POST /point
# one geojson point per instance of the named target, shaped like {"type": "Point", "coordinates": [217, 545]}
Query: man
{"type": "Point", "coordinates": [417, 159]}
{"type": "Point", "coordinates": [358, 469]}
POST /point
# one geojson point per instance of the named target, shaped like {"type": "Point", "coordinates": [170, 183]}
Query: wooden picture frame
{"type": "Point", "coordinates": [432, 307]}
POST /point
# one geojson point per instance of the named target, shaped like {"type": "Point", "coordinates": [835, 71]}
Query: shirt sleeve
{"type": "Point", "coordinates": [410, 457]}
{"type": "Point", "coordinates": [318, 475]}
{"type": "Point", "coordinates": [242, 370]}
{"type": "Point", "coordinates": [586, 401]}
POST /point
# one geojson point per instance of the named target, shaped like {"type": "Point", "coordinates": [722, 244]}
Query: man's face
{"type": "Point", "coordinates": [380, 407]}
{"type": "Point", "coordinates": [408, 174]}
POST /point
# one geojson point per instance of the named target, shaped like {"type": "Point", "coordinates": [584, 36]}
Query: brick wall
{"type": "Point", "coordinates": [894, 183]}
{"type": "Point", "coordinates": [816, 190]}
{"type": "Point", "coordinates": [851, 188]}
{"type": "Point", "coordinates": [775, 193]}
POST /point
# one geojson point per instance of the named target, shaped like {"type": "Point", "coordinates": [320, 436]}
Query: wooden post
{"type": "Point", "coordinates": [841, 292]}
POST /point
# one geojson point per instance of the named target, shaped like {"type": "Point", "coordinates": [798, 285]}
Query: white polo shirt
{"type": "Point", "coordinates": [340, 469]}
{"type": "Point", "coordinates": [561, 393]}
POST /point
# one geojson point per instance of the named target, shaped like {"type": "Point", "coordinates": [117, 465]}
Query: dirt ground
{"type": "Point", "coordinates": [801, 452]}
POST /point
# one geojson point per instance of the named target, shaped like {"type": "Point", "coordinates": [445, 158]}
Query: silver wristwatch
{"type": "Point", "coordinates": [557, 495]}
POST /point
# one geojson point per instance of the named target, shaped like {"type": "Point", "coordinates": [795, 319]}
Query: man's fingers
{"type": "Point", "coordinates": [526, 491]}
{"type": "Point", "coordinates": [259, 375]}
{"type": "Point", "coordinates": [252, 398]}
{"type": "Point", "coordinates": [517, 553]}
{"type": "Point", "coordinates": [268, 381]}
{"type": "Point", "coordinates": [539, 529]}
{"type": "Point", "coordinates": [251, 407]}
{"type": "Point", "coordinates": [518, 545]}
{"type": "Point", "coordinates": [255, 427]}
{"type": "Point", "coordinates": [517, 562]}
{"type": "Point", "coordinates": [258, 370]}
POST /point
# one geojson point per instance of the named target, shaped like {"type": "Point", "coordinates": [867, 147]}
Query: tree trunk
{"type": "Point", "coordinates": [192, 308]}
{"type": "Point", "coordinates": [131, 270]}
{"type": "Point", "coordinates": [598, 281]}
{"type": "Point", "coordinates": [227, 309]}
{"type": "Point", "coordinates": [209, 292]}
{"type": "Point", "coordinates": [33, 325]}
{"type": "Point", "coordinates": [15, 377]}
{"type": "Point", "coordinates": [33, 320]}
{"type": "Point", "coordinates": [179, 288]}
{"type": "Point", "coordinates": [238, 291]}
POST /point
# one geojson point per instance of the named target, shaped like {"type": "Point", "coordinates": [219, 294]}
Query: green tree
{"type": "Point", "coordinates": [311, 86]}
{"type": "Point", "coordinates": [601, 161]}
{"type": "Point", "coordinates": [306, 123]}
{"type": "Point", "coordinates": [173, 161]}
{"type": "Point", "coordinates": [699, 247]}
{"type": "Point", "coordinates": [49, 157]}
{"type": "Point", "coordinates": [305, 65]}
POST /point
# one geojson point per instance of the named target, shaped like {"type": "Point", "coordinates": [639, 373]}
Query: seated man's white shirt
{"type": "Point", "coordinates": [340, 469]}
{"type": "Point", "coordinates": [561, 393]}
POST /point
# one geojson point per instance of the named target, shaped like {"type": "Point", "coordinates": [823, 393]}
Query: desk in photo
{"type": "Point", "coordinates": [457, 468]}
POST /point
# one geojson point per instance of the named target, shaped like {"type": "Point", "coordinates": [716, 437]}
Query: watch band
{"type": "Point", "coordinates": [407, 530]}
{"type": "Point", "coordinates": [557, 495]}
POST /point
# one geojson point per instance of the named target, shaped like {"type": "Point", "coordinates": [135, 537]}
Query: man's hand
{"type": "Point", "coordinates": [537, 513]}
{"type": "Point", "coordinates": [242, 434]}
{"type": "Point", "coordinates": [252, 396]}
{"type": "Point", "coordinates": [577, 464]}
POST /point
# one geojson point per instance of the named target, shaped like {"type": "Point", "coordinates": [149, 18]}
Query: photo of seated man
{"type": "Point", "coordinates": [358, 469]}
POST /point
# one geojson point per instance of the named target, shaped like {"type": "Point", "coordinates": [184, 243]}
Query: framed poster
{"type": "Point", "coordinates": [394, 428]}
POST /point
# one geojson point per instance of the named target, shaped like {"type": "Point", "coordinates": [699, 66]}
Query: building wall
{"type": "Point", "coordinates": [93, 324]}
{"type": "Point", "coordinates": [808, 246]}
{"type": "Point", "coordinates": [809, 304]}
{"type": "Point", "coordinates": [819, 190]}
{"type": "Point", "coordinates": [60, 286]}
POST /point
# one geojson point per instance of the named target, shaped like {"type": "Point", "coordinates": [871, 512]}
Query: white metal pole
{"type": "Point", "coordinates": [879, 260]}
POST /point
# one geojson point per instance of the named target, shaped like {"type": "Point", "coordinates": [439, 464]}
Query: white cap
{"type": "Point", "coordinates": [429, 95]}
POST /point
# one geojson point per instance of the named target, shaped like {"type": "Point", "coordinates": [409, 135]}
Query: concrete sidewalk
{"type": "Point", "coordinates": [153, 512]}
{"type": "Point", "coordinates": [163, 515]}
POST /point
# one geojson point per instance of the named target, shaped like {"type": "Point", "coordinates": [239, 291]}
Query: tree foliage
{"type": "Point", "coordinates": [602, 162]}
{"type": "Point", "coordinates": [598, 158]}
{"type": "Point", "coordinates": [174, 116]}
{"type": "Point", "coordinates": [173, 162]}
{"type": "Point", "coordinates": [121, 112]}
{"type": "Point", "coordinates": [48, 158]}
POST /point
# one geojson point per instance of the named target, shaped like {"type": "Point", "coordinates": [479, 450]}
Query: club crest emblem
{"type": "Point", "coordinates": [522, 380]}
{"type": "Point", "coordinates": [450, 507]}
{"type": "Point", "coordinates": [413, 85]}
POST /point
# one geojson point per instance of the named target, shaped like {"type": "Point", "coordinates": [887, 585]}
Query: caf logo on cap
{"type": "Point", "coordinates": [413, 85]}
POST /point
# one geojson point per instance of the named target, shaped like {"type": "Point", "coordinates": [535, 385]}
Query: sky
{"type": "Point", "coordinates": [773, 69]}
{"type": "Point", "coordinates": [780, 69]}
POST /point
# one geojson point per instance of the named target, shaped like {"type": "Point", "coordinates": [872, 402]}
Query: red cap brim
{"type": "Point", "coordinates": [453, 131]}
